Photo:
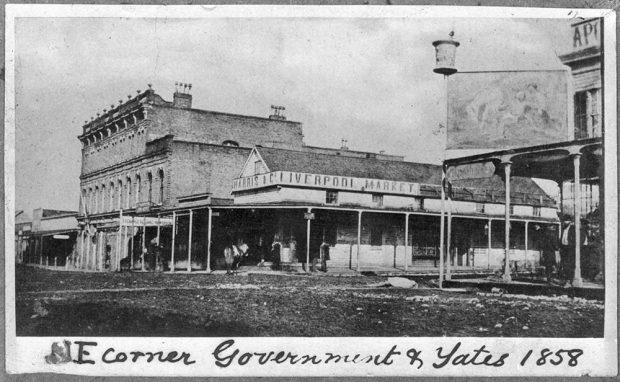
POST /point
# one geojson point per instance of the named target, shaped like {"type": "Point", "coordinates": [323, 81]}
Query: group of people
{"type": "Point", "coordinates": [550, 242]}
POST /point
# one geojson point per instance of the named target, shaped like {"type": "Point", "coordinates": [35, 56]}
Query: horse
{"type": "Point", "coordinates": [233, 256]}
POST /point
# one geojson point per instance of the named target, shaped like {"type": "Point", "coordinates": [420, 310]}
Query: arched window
{"type": "Point", "coordinates": [149, 178]}
{"type": "Point", "coordinates": [83, 205]}
{"type": "Point", "coordinates": [112, 198]}
{"type": "Point", "coordinates": [104, 199]}
{"type": "Point", "coordinates": [96, 207]}
{"type": "Point", "coordinates": [120, 194]}
{"type": "Point", "coordinates": [129, 193]}
{"type": "Point", "coordinates": [160, 175]}
{"type": "Point", "coordinates": [138, 189]}
{"type": "Point", "coordinates": [89, 201]}
{"type": "Point", "coordinates": [230, 144]}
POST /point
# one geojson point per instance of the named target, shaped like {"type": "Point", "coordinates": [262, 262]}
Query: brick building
{"type": "Point", "coordinates": [146, 157]}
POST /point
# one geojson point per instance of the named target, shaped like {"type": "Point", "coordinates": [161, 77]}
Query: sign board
{"type": "Point", "coordinates": [499, 110]}
{"type": "Point", "coordinates": [298, 179]}
{"type": "Point", "coordinates": [215, 214]}
{"type": "Point", "coordinates": [148, 221]}
{"type": "Point", "coordinates": [586, 34]}
{"type": "Point", "coordinates": [309, 215]}
{"type": "Point", "coordinates": [61, 237]}
{"type": "Point", "coordinates": [471, 171]}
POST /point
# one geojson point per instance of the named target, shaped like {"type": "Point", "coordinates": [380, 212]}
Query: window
{"type": "Point", "coordinates": [104, 198]}
{"type": "Point", "coordinates": [112, 205]}
{"type": "Point", "coordinates": [161, 186]}
{"type": "Point", "coordinates": [587, 114]}
{"type": "Point", "coordinates": [377, 200]}
{"type": "Point", "coordinates": [96, 208]}
{"type": "Point", "coordinates": [376, 236]}
{"type": "Point", "coordinates": [137, 189]}
{"type": "Point", "coordinates": [536, 211]}
{"type": "Point", "coordinates": [511, 210]}
{"type": "Point", "coordinates": [581, 115]}
{"type": "Point", "coordinates": [119, 190]}
{"type": "Point", "coordinates": [258, 167]}
{"type": "Point", "coordinates": [129, 192]}
{"type": "Point", "coordinates": [150, 186]}
{"type": "Point", "coordinates": [331, 197]}
{"type": "Point", "coordinates": [480, 208]}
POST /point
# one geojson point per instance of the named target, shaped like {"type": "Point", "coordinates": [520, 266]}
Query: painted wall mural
{"type": "Point", "coordinates": [498, 110]}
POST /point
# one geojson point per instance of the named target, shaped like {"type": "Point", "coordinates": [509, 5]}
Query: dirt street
{"type": "Point", "coordinates": [52, 303]}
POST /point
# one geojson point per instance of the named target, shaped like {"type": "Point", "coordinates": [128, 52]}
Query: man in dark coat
{"type": "Point", "coordinates": [548, 245]}
{"type": "Point", "coordinates": [567, 250]}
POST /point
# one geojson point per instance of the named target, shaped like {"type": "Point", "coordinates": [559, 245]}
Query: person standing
{"type": "Point", "coordinates": [548, 246]}
{"type": "Point", "coordinates": [567, 252]}
{"type": "Point", "coordinates": [324, 253]}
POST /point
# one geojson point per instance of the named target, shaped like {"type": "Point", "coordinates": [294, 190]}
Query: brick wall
{"type": "Point", "coordinates": [215, 128]}
{"type": "Point", "coordinates": [126, 145]}
{"type": "Point", "coordinates": [200, 168]}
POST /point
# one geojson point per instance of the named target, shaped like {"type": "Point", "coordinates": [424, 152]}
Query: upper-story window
{"type": "Point", "coordinates": [104, 198]}
{"type": "Point", "coordinates": [480, 208]}
{"type": "Point", "coordinates": [138, 189]}
{"type": "Point", "coordinates": [377, 200]}
{"type": "Point", "coordinates": [161, 186]}
{"type": "Point", "coordinates": [129, 193]}
{"type": "Point", "coordinates": [149, 179]}
{"type": "Point", "coordinates": [587, 114]}
{"type": "Point", "coordinates": [258, 167]}
{"type": "Point", "coordinates": [511, 210]}
{"type": "Point", "coordinates": [96, 207]}
{"type": "Point", "coordinates": [331, 197]}
{"type": "Point", "coordinates": [112, 196]}
{"type": "Point", "coordinates": [230, 144]}
{"type": "Point", "coordinates": [536, 211]}
{"type": "Point", "coordinates": [120, 194]}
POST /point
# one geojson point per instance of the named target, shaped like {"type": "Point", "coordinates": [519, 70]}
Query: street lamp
{"type": "Point", "coordinates": [445, 56]}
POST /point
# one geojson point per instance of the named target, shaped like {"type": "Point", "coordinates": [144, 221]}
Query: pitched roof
{"type": "Point", "coordinates": [337, 165]}
{"type": "Point", "coordinates": [523, 190]}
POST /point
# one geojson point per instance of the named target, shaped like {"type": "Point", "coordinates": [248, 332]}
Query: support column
{"type": "Point", "coordinates": [209, 240]}
{"type": "Point", "coordinates": [133, 233]}
{"type": "Point", "coordinates": [308, 242]}
{"type": "Point", "coordinates": [561, 184]}
{"type": "Point", "coordinates": [189, 241]}
{"type": "Point", "coordinates": [174, 233]}
{"type": "Point", "coordinates": [359, 239]}
{"type": "Point", "coordinates": [406, 241]}
{"type": "Point", "coordinates": [449, 241]}
{"type": "Point", "coordinates": [507, 277]}
{"type": "Point", "coordinates": [78, 261]}
{"type": "Point", "coordinates": [441, 225]}
{"type": "Point", "coordinates": [577, 281]}
{"type": "Point", "coordinates": [120, 242]}
{"type": "Point", "coordinates": [84, 263]}
{"type": "Point", "coordinates": [526, 243]}
{"type": "Point", "coordinates": [158, 251]}
{"type": "Point", "coordinates": [143, 244]}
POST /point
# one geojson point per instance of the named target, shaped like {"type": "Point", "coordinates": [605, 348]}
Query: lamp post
{"type": "Point", "coordinates": [445, 55]}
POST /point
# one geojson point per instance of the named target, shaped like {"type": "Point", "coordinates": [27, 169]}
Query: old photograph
{"type": "Point", "coordinates": [236, 176]}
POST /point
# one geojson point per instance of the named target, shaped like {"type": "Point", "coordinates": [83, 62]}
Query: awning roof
{"type": "Point", "coordinates": [550, 161]}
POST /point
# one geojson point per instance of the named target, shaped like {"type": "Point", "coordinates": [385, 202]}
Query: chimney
{"type": "Point", "coordinates": [182, 97]}
{"type": "Point", "coordinates": [278, 113]}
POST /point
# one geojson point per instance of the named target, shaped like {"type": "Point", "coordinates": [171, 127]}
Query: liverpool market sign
{"type": "Point", "coordinates": [299, 179]}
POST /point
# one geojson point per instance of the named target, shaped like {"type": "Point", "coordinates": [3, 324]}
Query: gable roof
{"type": "Point", "coordinates": [336, 165]}
{"type": "Point", "coordinates": [523, 190]}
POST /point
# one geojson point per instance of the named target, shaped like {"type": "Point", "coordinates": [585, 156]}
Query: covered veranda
{"type": "Point", "coordinates": [361, 239]}
{"type": "Point", "coordinates": [577, 161]}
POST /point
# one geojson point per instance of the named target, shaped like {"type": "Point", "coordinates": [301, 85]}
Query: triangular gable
{"type": "Point", "coordinates": [250, 164]}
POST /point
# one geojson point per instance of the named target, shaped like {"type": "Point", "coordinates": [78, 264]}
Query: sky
{"type": "Point", "coordinates": [368, 81]}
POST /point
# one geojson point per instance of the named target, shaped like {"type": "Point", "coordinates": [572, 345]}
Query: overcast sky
{"type": "Point", "coordinates": [369, 81]}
